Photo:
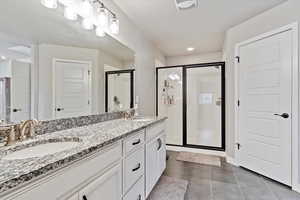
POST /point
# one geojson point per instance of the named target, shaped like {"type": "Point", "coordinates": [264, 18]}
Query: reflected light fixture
{"type": "Point", "coordinates": [70, 13]}
{"type": "Point", "coordinates": [92, 12]}
{"type": "Point", "coordinates": [100, 31]}
{"type": "Point", "coordinates": [102, 17]}
{"type": "Point", "coordinates": [114, 25]}
{"type": "Point", "coordinates": [87, 24]}
{"type": "Point", "coordinates": [49, 3]}
{"type": "Point", "coordinates": [86, 9]}
{"type": "Point", "coordinates": [3, 57]}
{"type": "Point", "coordinates": [190, 49]}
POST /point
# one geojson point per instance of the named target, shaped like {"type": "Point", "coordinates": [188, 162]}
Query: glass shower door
{"type": "Point", "coordinates": [169, 102]}
{"type": "Point", "coordinates": [204, 106]}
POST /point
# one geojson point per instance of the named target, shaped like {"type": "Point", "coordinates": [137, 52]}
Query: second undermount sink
{"type": "Point", "coordinates": [142, 119]}
{"type": "Point", "coordinates": [41, 150]}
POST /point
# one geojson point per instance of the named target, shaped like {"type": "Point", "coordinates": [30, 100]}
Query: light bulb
{"type": "Point", "coordinates": [86, 9]}
{"type": "Point", "coordinates": [49, 3]}
{"type": "Point", "coordinates": [102, 17]}
{"type": "Point", "coordinates": [114, 26]}
{"type": "Point", "coordinates": [70, 13]}
{"type": "Point", "coordinates": [87, 23]}
{"type": "Point", "coordinates": [100, 32]}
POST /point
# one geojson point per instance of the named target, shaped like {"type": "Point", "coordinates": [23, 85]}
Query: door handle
{"type": "Point", "coordinates": [283, 115]}
{"type": "Point", "coordinates": [60, 109]}
{"type": "Point", "coordinates": [137, 168]}
{"type": "Point", "coordinates": [84, 197]}
{"type": "Point", "coordinates": [136, 143]}
{"type": "Point", "coordinates": [17, 110]}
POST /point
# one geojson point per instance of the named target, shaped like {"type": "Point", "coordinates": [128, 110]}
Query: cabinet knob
{"type": "Point", "coordinates": [159, 144]}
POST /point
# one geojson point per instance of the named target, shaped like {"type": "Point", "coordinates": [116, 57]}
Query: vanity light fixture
{"type": "Point", "coordinates": [190, 49]}
{"type": "Point", "coordinates": [87, 23]}
{"type": "Point", "coordinates": [114, 26]}
{"type": "Point", "coordinates": [92, 12]}
{"type": "Point", "coordinates": [100, 31]}
{"type": "Point", "coordinates": [70, 13]}
{"type": "Point", "coordinates": [86, 9]}
{"type": "Point", "coordinates": [102, 16]}
{"type": "Point", "coordinates": [50, 3]}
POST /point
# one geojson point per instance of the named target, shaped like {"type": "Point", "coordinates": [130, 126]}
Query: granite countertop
{"type": "Point", "coordinates": [93, 137]}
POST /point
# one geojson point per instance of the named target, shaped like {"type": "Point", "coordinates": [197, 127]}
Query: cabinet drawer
{"type": "Point", "coordinates": [154, 130]}
{"type": "Point", "coordinates": [133, 168]}
{"type": "Point", "coordinates": [134, 142]}
{"type": "Point", "coordinates": [136, 192]}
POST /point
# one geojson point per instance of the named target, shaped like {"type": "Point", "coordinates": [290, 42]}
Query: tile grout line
{"type": "Point", "coordinates": [267, 185]}
{"type": "Point", "coordinates": [210, 185]}
{"type": "Point", "coordinates": [239, 186]}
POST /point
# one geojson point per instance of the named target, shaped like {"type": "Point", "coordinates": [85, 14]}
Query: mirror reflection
{"type": "Point", "coordinates": [69, 72]}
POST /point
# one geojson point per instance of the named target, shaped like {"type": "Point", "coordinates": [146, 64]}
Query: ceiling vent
{"type": "Point", "coordinates": [186, 4]}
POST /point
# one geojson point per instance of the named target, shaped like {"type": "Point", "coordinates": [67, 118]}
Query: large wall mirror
{"type": "Point", "coordinates": [51, 68]}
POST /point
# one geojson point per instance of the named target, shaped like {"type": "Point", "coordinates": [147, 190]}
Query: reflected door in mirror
{"type": "Point", "coordinates": [20, 91]}
{"type": "Point", "coordinates": [72, 89]}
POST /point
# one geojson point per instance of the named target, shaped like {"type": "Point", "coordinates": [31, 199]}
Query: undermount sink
{"type": "Point", "coordinates": [142, 119]}
{"type": "Point", "coordinates": [41, 150]}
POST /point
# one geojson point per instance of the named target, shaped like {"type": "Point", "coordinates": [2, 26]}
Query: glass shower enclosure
{"type": "Point", "coordinates": [193, 99]}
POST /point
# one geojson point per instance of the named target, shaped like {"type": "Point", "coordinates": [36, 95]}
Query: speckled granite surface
{"type": "Point", "coordinates": [91, 138]}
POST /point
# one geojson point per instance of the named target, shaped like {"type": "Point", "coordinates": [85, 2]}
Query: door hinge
{"type": "Point", "coordinates": [238, 103]}
{"type": "Point", "coordinates": [89, 72]}
{"type": "Point", "coordinates": [238, 145]}
{"type": "Point", "coordinates": [238, 59]}
{"type": "Point", "coordinates": [89, 102]}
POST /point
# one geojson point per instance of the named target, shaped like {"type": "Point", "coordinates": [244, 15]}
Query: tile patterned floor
{"type": "Point", "coordinates": [226, 182]}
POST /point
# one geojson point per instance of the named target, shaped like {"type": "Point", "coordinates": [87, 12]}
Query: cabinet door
{"type": "Point", "coordinates": [151, 165]}
{"type": "Point", "coordinates": [107, 186]}
{"type": "Point", "coordinates": [161, 154]}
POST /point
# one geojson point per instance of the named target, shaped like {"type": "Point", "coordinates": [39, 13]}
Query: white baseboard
{"type": "Point", "coordinates": [296, 187]}
{"type": "Point", "coordinates": [193, 150]}
{"type": "Point", "coordinates": [231, 160]}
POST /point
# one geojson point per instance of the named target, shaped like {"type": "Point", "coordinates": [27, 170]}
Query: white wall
{"type": "Point", "coordinates": [194, 59]}
{"type": "Point", "coordinates": [146, 53]}
{"type": "Point", "coordinates": [45, 88]}
{"type": "Point", "coordinates": [277, 17]}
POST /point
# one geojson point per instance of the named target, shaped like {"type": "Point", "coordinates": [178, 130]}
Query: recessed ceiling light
{"type": "Point", "coordinates": [190, 49]}
{"type": "Point", "coordinates": [3, 58]}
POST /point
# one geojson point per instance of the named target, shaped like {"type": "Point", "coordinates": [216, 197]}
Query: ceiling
{"type": "Point", "coordinates": [27, 21]}
{"type": "Point", "coordinates": [203, 28]}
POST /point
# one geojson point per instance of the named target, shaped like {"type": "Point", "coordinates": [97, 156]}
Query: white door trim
{"type": "Point", "coordinates": [295, 97]}
{"type": "Point", "coordinates": [89, 63]}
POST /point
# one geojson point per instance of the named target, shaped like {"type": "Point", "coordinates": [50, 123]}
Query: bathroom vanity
{"type": "Point", "coordinates": [111, 160]}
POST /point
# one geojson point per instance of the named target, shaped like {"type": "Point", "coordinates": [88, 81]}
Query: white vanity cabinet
{"type": "Point", "coordinates": [108, 186]}
{"type": "Point", "coordinates": [155, 156]}
{"type": "Point", "coordinates": [125, 170]}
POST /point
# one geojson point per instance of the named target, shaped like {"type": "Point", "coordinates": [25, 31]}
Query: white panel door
{"type": "Point", "coordinates": [265, 109]}
{"type": "Point", "coordinates": [72, 89]}
{"type": "Point", "coordinates": [20, 91]}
